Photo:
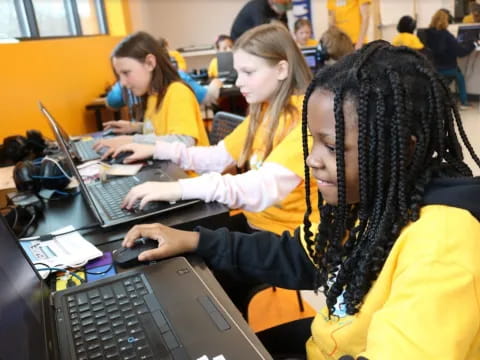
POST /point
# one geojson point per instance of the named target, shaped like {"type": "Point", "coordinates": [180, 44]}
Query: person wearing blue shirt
{"type": "Point", "coordinates": [116, 100]}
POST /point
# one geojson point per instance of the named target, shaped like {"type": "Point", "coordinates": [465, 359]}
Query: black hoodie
{"type": "Point", "coordinates": [281, 260]}
{"type": "Point", "coordinates": [445, 48]}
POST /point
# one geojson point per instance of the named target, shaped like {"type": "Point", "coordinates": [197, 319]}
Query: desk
{"type": "Point", "coordinates": [74, 211]}
{"type": "Point", "coordinates": [470, 66]}
{"type": "Point", "coordinates": [198, 59]}
{"type": "Point", "coordinates": [98, 105]}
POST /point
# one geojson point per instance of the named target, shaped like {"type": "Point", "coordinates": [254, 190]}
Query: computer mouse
{"type": "Point", "coordinates": [127, 257]}
{"type": "Point", "coordinates": [108, 132]}
{"type": "Point", "coordinates": [120, 157]}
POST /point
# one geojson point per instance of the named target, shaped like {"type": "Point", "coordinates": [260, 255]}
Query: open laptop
{"type": "Point", "coordinates": [82, 149]}
{"type": "Point", "coordinates": [162, 311]}
{"type": "Point", "coordinates": [310, 56]}
{"type": "Point", "coordinates": [226, 71]}
{"type": "Point", "coordinates": [468, 33]}
{"type": "Point", "coordinates": [105, 198]}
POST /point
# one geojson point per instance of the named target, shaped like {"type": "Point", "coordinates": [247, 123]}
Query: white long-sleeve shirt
{"type": "Point", "coordinates": [254, 190]}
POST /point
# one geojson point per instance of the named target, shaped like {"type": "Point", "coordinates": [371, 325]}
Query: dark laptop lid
{"type": "Point", "coordinates": [22, 303]}
{"type": "Point", "coordinates": [63, 145]}
{"type": "Point", "coordinates": [310, 56]}
{"type": "Point", "coordinates": [225, 66]}
{"type": "Point", "coordinates": [468, 33]}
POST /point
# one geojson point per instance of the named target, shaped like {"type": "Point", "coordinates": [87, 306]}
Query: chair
{"type": "Point", "coordinates": [223, 124]}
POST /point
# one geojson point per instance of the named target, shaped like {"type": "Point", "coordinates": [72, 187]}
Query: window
{"type": "Point", "coordinates": [51, 18]}
{"type": "Point", "coordinates": [9, 19]}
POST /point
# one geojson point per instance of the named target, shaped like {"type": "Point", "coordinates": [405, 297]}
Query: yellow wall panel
{"type": "Point", "coordinates": [65, 74]}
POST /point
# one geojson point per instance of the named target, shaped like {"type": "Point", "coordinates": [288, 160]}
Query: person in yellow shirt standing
{"type": "Point", "coordinates": [406, 37]}
{"type": "Point", "coordinates": [474, 16]}
{"type": "Point", "coordinates": [352, 17]}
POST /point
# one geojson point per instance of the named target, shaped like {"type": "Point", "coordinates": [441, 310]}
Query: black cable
{"type": "Point", "coordinates": [30, 222]}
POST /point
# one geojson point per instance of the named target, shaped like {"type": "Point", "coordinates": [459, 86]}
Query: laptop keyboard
{"type": "Point", "coordinates": [85, 151]}
{"type": "Point", "coordinates": [112, 193]}
{"type": "Point", "coordinates": [122, 320]}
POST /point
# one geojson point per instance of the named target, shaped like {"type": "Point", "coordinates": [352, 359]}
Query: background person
{"type": "Point", "coordinates": [258, 12]}
{"type": "Point", "coordinates": [169, 107]}
{"type": "Point", "coordinates": [352, 17]}
{"type": "Point", "coordinates": [303, 33]}
{"type": "Point", "coordinates": [445, 49]}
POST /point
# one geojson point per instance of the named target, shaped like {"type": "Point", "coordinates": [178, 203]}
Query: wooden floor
{"type": "Point", "coordinates": [269, 308]}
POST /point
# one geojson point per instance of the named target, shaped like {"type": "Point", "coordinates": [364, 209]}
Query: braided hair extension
{"type": "Point", "coordinates": [406, 137]}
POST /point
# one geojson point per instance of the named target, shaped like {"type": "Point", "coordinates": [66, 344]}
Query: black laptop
{"type": "Point", "coordinates": [226, 71]}
{"type": "Point", "coordinates": [82, 149]}
{"type": "Point", "coordinates": [162, 311]}
{"type": "Point", "coordinates": [468, 33]}
{"type": "Point", "coordinates": [105, 198]}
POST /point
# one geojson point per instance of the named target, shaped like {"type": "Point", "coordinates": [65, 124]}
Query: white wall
{"type": "Point", "coordinates": [185, 22]}
{"type": "Point", "coordinates": [195, 22]}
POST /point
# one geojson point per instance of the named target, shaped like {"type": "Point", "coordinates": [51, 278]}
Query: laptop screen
{"type": "Point", "coordinates": [468, 33]}
{"type": "Point", "coordinates": [63, 145]}
{"type": "Point", "coordinates": [22, 327]}
{"type": "Point", "coordinates": [310, 56]}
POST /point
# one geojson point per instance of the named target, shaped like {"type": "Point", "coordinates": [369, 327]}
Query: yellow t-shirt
{"type": "Point", "coordinates": [178, 114]}
{"type": "Point", "coordinates": [425, 303]}
{"type": "Point", "coordinates": [468, 19]}
{"type": "Point", "coordinates": [288, 213]}
{"type": "Point", "coordinates": [310, 42]}
{"type": "Point", "coordinates": [213, 68]}
{"type": "Point", "coordinates": [181, 63]}
{"type": "Point", "coordinates": [347, 16]}
{"type": "Point", "coordinates": [407, 39]}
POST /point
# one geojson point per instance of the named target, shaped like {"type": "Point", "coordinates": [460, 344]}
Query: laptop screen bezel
{"type": "Point", "coordinates": [47, 316]}
{"type": "Point", "coordinates": [62, 143]}
{"type": "Point", "coordinates": [467, 28]}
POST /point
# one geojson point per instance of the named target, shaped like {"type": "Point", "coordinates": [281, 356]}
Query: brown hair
{"type": "Point", "coordinates": [336, 43]}
{"type": "Point", "coordinates": [301, 23]}
{"type": "Point", "coordinates": [439, 20]}
{"type": "Point", "coordinates": [137, 46]}
{"type": "Point", "coordinates": [273, 43]}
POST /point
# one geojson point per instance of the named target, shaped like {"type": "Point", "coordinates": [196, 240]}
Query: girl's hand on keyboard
{"type": "Point", "coordinates": [112, 144]}
{"type": "Point", "coordinates": [171, 242]}
{"type": "Point", "coordinates": [139, 152]}
{"type": "Point", "coordinates": [152, 191]}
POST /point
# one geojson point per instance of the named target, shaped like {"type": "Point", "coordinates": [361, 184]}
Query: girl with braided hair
{"type": "Point", "coordinates": [396, 251]}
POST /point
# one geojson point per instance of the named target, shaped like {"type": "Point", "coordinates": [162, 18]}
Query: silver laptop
{"type": "Point", "coordinates": [105, 198]}
{"type": "Point", "coordinates": [162, 311]}
{"type": "Point", "coordinates": [82, 149]}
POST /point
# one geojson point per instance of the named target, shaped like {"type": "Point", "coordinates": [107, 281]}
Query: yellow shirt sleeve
{"type": "Point", "coordinates": [236, 139]}
{"type": "Point", "coordinates": [213, 68]}
{"type": "Point", "coordinates": [181, 63]}
{"type": "Point", "coordinates": [289, 152]}
{"type": "Point", "coordinates": [331, 5]}
{"type": "Point", "coordinates": [179, 114]}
